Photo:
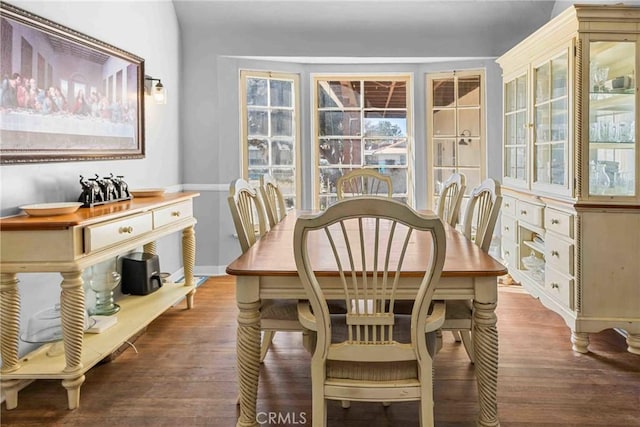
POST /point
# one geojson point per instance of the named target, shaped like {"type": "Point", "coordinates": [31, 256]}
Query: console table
{"type": "Point", "coordinates": [68, 244]}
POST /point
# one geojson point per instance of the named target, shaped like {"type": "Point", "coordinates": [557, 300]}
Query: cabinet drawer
{"type": "Point", "coordinates": [509, 205]}
{"type": "Point", "coordinates": [559, 286]}
{"type": "Point", "coordinates": [510, 253]}
{"type": "Point", "coordinates": [529, 213]}
{"type": "Point", "coordinates": [173, 213]}
{"type": "Point", "coordinates": [509, 227]}
{"type": "Point", "coordinates": [110, 233]}
{"type": "Point", "coordinates": [559, 254]}
{"type": "Point", "coordinates": [558, 222]}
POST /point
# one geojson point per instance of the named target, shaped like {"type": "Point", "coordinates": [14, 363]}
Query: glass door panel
{"type": "Point", "coordinates": [551, 117]}
{"type": "Point", "coordinates": [516, 129]}
{"type": "Point", "coordinates": [612, 112]}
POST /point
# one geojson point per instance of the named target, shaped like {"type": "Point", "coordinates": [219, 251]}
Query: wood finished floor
{"type": "Point", "coordinates": [184, 374]}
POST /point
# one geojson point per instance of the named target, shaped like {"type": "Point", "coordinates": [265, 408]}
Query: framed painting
{"type": "Point", "coordinates": [65, 96]}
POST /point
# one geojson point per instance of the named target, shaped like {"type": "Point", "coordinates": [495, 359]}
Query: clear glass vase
{"type": "Point", "coordinates": [103, 283]}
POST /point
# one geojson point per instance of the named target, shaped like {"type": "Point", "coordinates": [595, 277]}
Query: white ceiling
{"type": "Point", "coordinates": [434, 28]}
{"type": "Point", "coordinates": [498, 23]}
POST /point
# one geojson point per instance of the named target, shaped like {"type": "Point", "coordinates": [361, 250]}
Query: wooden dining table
{"type": "Point", "coordinates": [268, 271]}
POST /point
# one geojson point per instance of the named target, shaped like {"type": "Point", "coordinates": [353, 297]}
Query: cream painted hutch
{"type": "Point", "coordinates": [571, 210]}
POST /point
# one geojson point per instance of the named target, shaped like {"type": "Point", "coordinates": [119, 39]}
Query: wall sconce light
{"type": "Point", "coordinates": [157, 91]}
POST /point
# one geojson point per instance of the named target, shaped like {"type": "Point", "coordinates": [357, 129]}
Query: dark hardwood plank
{"type": "Point", "coordinates": [184, 374]}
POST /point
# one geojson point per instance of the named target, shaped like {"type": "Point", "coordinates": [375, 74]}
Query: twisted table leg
{"type": "Point", "coordinates": [248, 349]}
{"type": "Point", "coordinates": [72, 314]}
{"type": "Point", "coordinates": [9, 330]}
{"type": "Point", "coordinates": [485, 342]}
{"type": "Point", "coordinates": [189, 260]}
{"type": "Point", "coordinates": [150, 248]}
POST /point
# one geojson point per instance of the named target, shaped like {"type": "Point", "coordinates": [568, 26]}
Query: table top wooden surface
{"type": "Point", "coordinates": [88, 216]}
{"type": "Point", "coordinates": [272, 255]}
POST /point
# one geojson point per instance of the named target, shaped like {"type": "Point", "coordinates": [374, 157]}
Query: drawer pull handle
{"type": "Point", "coordinates": [523, 212]}
{"type": "Point", "coordinates": [555, 254]}
{"type": "Point", "coordinates": [555, 221]}
{"type": "Point", "coordinates": [507, 253]}
{"type": "Point", "coordinates": [506, 205]}
{"type": "Point", "coordinates": [506, 228]}
{"type": "Point", "coordinates": [175, 213]}
{"type": "Point", "coordinates": [554, 285]}
{"type": "Point", "coordinates": [126, 230]}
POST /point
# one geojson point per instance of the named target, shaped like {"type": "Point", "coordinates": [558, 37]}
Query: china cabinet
{"type": "Point", "coordinates": [69, 244]}
{"type": "Point", "coordinates": [570, 222]}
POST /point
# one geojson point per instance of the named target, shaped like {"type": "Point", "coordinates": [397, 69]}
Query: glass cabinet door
{"type": "Point", "coordinates": [612, 113]}
{"type": "Point", "coordinates": [516, 129]}
{"type": "Point", "coordinates": [551, 121]}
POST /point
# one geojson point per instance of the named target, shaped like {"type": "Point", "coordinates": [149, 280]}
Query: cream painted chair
{"type": "Point", "coordinates": [451, 198]}
{"type": "Point", "coordinates": [479, 223]}
{"type": "Point", "coordinates": [273, 199]}
{"type": "Point", "coordinates": [362, 182]}
{"type": "Point", "coordinates": [248, 216]}
{"type": "Point", "coordinates": [370, 353]}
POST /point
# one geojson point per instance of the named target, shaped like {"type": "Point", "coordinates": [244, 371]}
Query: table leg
{"type": "Point", "coordinates": [189, 260]}
{"type": "Point", "coordinates": [9, 330]}
{"type": "Point", "coordinates": [248, 348]}
{"type": "Point", "coordinates": [485, 342]}
{"type": "Point", "coordinates": [72, 313]}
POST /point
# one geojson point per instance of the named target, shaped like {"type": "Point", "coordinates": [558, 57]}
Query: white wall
{"type": "Point", "coordinates": [148, 30]}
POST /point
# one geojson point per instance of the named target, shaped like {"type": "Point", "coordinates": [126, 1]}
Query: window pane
{"type": "Point", "coordinates": [383, 94]}
{"type": "Point", "coordinates": [258, 122]}
{"type": "Point", "coordinates": [469, 91]}
{"type": "Point", "coordinates": [473, 179]}
{"type": "Point", "coordinates": [542, 83]}
{"type": "Point", "coordinates": [443, 93]}
{"type": "Point", "coordinates": [386, 152]}
{"type": "Point", "coordinates": [398, 179]}
{"type": "Point", "coordinates": [337, 123]}
{"type": "Point", "coordinates": [469, 153]}
{"type": "Point", "coordinates": [338, 94]}
{"type": "Point", "coordinates": [281, 93]}
{"type": "Point", "coordinates": [469, 120]}
{"type": "Point", "coordinates": [340, 151]}
{"type": "Point", "coordinates": [328, 179]}
{"type": "Point", "coordinates": [282, 152]}
{"type": "Point", "coordinates": [445, 153]}
{"type": "Point", "coordinates": [282, 123]}
{"type": "Point", "coordinates": [258, 152]}
{"type": "Point", "coordinates": [444, 123]}
{"type": "Point", "coordinates": [257, 92]}
{"type": "Point", "coordinates": [386, 126]}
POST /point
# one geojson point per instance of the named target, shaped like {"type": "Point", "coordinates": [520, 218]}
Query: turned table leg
{"type": "Point", "coordinates": [485, 345]}
{"type": "Point", "coordinates": [72, 314]}
{"type": "Point", "coordinates": [189, 260]}
{"type": "Point", "coordinates": [248, 348]}
{"type": "Point", "coordinates": [9, 330]}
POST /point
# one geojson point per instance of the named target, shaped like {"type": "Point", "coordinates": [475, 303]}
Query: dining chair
{"type": "Point", "coordinates": [273, 199]}
{"type": "Point", "coordinates": [370, 353]}
{"type": "Point", "coordinates": [479, 224]}
{"type": "Point", "coordinates": [249, 220]}
{"type": "Point", "coordinates": [362, 182]}
{"type": "Point", "coordinates": [451, 198]}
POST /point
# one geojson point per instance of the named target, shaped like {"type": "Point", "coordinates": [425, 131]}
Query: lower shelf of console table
{"type": "Point", "coordinates": [136, 312]}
